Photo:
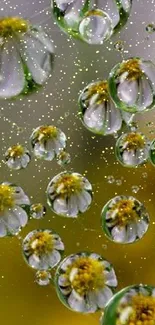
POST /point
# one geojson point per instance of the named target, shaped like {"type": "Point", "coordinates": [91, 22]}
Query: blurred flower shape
{"type": "Point", "coordinates": [69, 194]}
{"type": "Point", "coordinates": [134, 305]}
{"type": "Point", "coordinates": [43, 278]}
{"type": "Point", "coordinates": [132, 149]}
{"type": "Point", "coordinates": [63, 158]}
{"type": "Point", "coordinates": [152, 152]}
{"type": "Point", "coordinates": [47, 141]}
{"type": "Point", "coordinates": [98, 112]}
{"type": "Point", "coordinates": [85, 282]}
{"type": "Point", "coordinates": [42, 249]}
{"type": "Point", "coordinates": [17, 157]}
{"type": "Point", "coordinates": [26, 57]}
{"type": "Point", "coordinates": [91, 21]}
{"type": "Point", "coordinates": [13, 203]}
{"type": "Point", "coordinates": [95, 27]}
{"type": "Point", "coordinates": [37, 211]}
{"type": "Point", "coordinates": [132, 85]}
{"type": "Point", "coordinates": [124, 219]}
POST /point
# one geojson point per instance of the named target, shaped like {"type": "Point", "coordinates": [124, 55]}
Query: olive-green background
{"type": "Point", "coordinates": [22, 301]}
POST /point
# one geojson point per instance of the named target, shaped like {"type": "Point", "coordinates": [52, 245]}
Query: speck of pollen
{"type": "Point", "coordinates": [132, 67]}
{"type": "Point", "coordinates": [47, 132]}
{"type": "Point", "coordinates": [101, 88]}
{"type": "Point", "coordinates": [134, 141]}
{"type": "Point", "coordinates": [12, 25]}
{"type": "Point", "coordinates": [6, 197]}
{"type": "Point", "coordinates": [41, 243]}
{"type": "Point", "coordinates": [16, 151]}
{"type": "Point", "coordinates": [143, 311]}
{"type": "Point", "coordinates": [126, 212]}
{"type": "Point", "coordinates": [89, 275]}
{"type": "Point", "coordinates": [68, 185]}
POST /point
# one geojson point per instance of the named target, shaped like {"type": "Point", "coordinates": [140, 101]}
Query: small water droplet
{"type": "Point", "coordinates": [150, 28]}
{"type": "Point", "coordinates": [110, 179]}
{"type": "Point", "coordinates": [119, 46]}
{"type": "Point", "coordinates": [135, 188]}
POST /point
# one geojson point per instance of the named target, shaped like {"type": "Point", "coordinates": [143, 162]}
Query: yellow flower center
{"type": "Point", "coordinates": [132, 67]}
{"type": "Point", "coordinates": [89, 275]}
{"type": "Point", "coordinates": [11, 25]}
{"type": "Point", "coordinates": [47, 132]}
{"type": "Point", "coordinates": [126, 212]}
{"type": "Point", "coordinates": [94, 12]}
{"type": "Point", "coordinates": [6, 197]}
{"type": "Point", "coordinates": [135, 141]}
{"type": "Point", "coordinates": [101, 88]}
{"type": "Point", "coordinates": [68, 185]}
{"type": "Point", "coordinates": [37, 207]}
{"type": "Point", "coordinates": [41, 243]}
{"type": "Point", "coordinates": [16, 151]}
{"type": "Point", "coordinates": [143, 311]}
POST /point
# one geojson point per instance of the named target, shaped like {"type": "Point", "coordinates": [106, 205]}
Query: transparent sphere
{"type": "Point", "coordinates": [69, 194]}
{"type": "Point", "coordinates": [124, 219]}
{"type": "Point", "coordinates": [63, 158]}
{"type": "Point", "coordinates": [37, 211]}
{"type": "Point", "coordinates": [132, 149]}
{"type": "Point", "coordinates": [85, 282]}
{"type": "Point", "coordinates": [43, 278]}
{"type": "Point", "coordinates": [132, 85]}
{"type": "Point", "coordinates": [95, 27]}
{"type": "Point", "coordinates": [132, 305]}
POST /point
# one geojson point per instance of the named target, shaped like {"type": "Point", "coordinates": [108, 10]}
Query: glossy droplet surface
{"type": "Point", "coordinates": [95, 27]}
{"type": "Point", "coordinates": [132, 149]}
{"type": "Point", "coordinates": [124, 219]}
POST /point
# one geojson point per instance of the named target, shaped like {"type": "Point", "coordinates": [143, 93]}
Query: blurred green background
{"type": "Point", "coordinates": [22, 301]}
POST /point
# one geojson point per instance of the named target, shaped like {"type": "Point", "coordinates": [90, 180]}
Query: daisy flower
{"type": "Point", "coordinates": [85, 282]}
{"type": "Point", "coordinates": [47, 142]}
{"type": "Point", "coordinates": [26, 57]}
{"type": "Point", "coordinates": [17, 157]}
{"type": "Point", "coordinates": [69, 194]}
{"type": "Point", "coordinates": [132, 85]}
{"type": "Point", "coordinates": [42, 249]}
{"type": "Point", "coordinates": [98, 112]}
{"type": "Point", "coordinates": [124, 219]}
{"type": "Point", "coordinates": [132, 149]}
{"type": "Point", "coordinates": [13, 202]}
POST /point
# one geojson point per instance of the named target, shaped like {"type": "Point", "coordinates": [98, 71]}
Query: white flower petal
{"type": "Point", "coordinates": [34, 261]}
{"type": "Point", "coordinates": [94, 117]}
{"type": "Point", "coordinates": [113, 120]}
{"type": "Point", "coordinates": [145, 96]}
{"type": "Point", "coordinates": [73, 273]}
{"type": "Point", "coordinates": [60, 206]}
{"type": "Point", "coordinates": [63, 281]}
{"type": "Point", "coordinates": [21, 215]}
{"type": "Point", "coordinates": [37, 59]}
{"type": "Point", "coordinates": [43, 38]}
{"type": "Point", "coordinates": [119, 234]}
{"type": "Point", "coordinates": [103, 296]}
{"type": "Point", "coordinates": [25, 160]}
{"type": "Point", "coordinates": [3, 229]}
{"type": "Point", "coordinates": [84, 200]}
{"type": "Point", "coordinates": [54, 258]}
{"type": "Point", "coordinates": [72, 206]}
{"type": "Point", "coordinates": [76, 302]}
{"type": "Point", "coordinates": [58, 244]}
{"type": "Point", "coordinates": [110, 278]}
{"type": "Point", "coordinates": [128, 92]}
{"type": "Point", "coordinates": [20, 197]}
{"type": "Point", "coordinates": [141, 228]}
{"type": "Point", "coordinates": [131, 232]}
{"type": "Point", "coordinates": [130, 158]}
{"type": "Point", "coordinates": [12, 80]}
{"type": "Point", "coordinates": [95, 256]}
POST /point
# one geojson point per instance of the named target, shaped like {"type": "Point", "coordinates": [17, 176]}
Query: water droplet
{"type": "Point", "coordinates": [135, 188]}
{"type": "Point", "coordinates": [150, 28]}
{"type": "Point", "coordinates": [144, 175]}
{"type": "Point", "coordinates": [63, 158]}
{"type": "Point", "coordinates": [118, 182]}
{"type": "Point", "coordinates": [110, 179]}
{"type": "Point", "coordinates": [43, 278]}
{"type": "Point", "coordinates": [119, 46]}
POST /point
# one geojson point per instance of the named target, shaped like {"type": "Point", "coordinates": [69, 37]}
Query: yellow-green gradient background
{"type": "Point", "coordinates": [22, 301]}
